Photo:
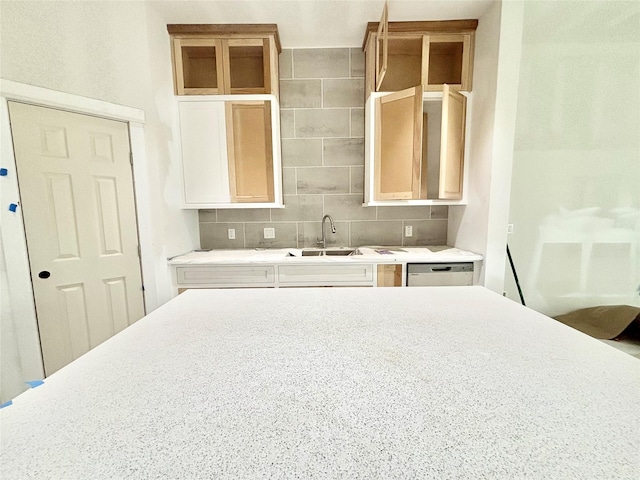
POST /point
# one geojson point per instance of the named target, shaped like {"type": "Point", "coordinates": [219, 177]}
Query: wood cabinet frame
{"type": "Point", "coordinates": [432, 32]}
{"type": "Point", "coordinates": [466, 40]}
{"type": "Point", "coordinates": [223, 37]}
{"type": "Point", "coordinates": [267, 80]}
{"type": "Point", "coordinates": [180, 69]}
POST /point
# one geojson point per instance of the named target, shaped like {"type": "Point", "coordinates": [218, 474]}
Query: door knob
{"type": "Point", "coordinates": [44, 274]}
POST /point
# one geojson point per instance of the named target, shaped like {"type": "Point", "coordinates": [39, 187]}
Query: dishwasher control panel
{"type": "Point", "coordinates": [439, 274]}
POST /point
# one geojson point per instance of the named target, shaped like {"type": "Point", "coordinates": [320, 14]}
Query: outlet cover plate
{"type": "Point", "coordinates": [269, 233]}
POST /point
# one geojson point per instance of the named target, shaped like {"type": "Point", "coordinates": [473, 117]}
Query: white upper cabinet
{"type": "Point", "coordinates": [226, 80]}
{"type": "Point", "coordinates": [230, 150]}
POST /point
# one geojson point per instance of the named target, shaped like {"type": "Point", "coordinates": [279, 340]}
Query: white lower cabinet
{"type": "Point", "coordinates": [250, 276]}
{"type": "Point", "coordinates": [325, 275]}
{"type": "Point", "coordinates": [225, 276]}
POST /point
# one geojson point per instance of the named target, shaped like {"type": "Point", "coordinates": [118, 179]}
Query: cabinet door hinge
{"type": "Point", "coordinates": [139, 252]}
{"type": "Point", "coordinates": [131, 158]}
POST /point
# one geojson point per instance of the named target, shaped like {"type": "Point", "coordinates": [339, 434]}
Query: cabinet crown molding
{"type": "Point", "coordinates": [423, 27]}
{"type": "Point", "coordinates": [226, 30]}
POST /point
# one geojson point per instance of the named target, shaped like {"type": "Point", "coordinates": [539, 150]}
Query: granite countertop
{"type": "Point", "coordinates": [369, 254]}
{"type": "Point", "coordinates": [438, 382]}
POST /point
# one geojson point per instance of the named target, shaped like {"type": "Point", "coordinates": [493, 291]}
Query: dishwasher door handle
{"type": "Point", "coordinates": [440, 269]}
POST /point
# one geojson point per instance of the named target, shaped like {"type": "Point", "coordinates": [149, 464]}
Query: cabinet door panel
{"type": "Point", "coordinates": [382, 47]}
{"type": "Point", "coordinates": [204, 152]}
{"type": "Point", "coordinates": [398, 145]}
{"type": "Point", "coordinates": [454, 106]}
{"type": "Point", "coordinates": [250, 151]}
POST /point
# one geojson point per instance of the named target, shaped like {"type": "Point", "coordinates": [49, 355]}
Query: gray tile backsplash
{"type": "Point", "coordinates": [323, 180]}
{"type": "Point", "coordinates": [321, 63]}
{"type": "Point", "coordinates": [321, 123]}
{"type": "Point", "coordinates": [347, 92]}
{"type": "Point", "coordinates": [300, 93]}
{"type": "Point", "coordinates": [322, 129]}
{"type": "Point", "coordinates": [286, 235]}
{"type": "Point", "coordinates": [357, 122]}
{"type": "Point", "coordinates": [301, 152]}
{"type": "Point", "coordinates": [376, 233]}
{"type": "Point", "coordinates": [343, 151]}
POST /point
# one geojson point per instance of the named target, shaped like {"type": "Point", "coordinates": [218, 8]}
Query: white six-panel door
{"type": "Point", "coordinates": [77, 200]}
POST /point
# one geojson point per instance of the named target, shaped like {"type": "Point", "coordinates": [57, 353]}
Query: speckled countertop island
{"type": "Point", "coordinates": [437, 382]}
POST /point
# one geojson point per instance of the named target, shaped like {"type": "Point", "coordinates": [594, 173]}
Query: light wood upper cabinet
{"type": "Point", "coordinates": [197, 66]}
{"type": "Point", "coordinates": [225, 59]}
{"type": "Point", "coordinates": [415, 135]}
{"type": "Point", "coordinates": [429, 53]}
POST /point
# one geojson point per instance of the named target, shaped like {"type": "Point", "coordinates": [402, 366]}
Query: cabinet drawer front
{"type": "Point", "coordinates": [222, 275]}
{"type": "Point", "coordinates": [325, 274]}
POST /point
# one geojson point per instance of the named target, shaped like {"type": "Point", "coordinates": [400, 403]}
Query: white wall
{"type": "Point", "coordinates": [107, 51]}
{"type": "Point", "coordinates": [480, 226]}
{"type": "Point", "coordinates": [575, 196]}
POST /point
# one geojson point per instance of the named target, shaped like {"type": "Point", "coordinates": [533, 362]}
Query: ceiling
{"type": "Point", "coordinates": [315, 23]}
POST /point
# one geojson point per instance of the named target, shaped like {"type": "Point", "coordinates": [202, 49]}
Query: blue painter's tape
{"type": "Point", "coordinates": [13, 207]}
{"type": "Point", "coordinates": [3, 172]}
{"type": "Point", "coordinates": [34, 383]}
{"type": "Point", "coordinates": [6, 404]}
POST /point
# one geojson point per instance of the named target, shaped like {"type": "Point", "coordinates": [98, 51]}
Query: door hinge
{"type": "Point", "coordinates": [139, 252]}
{"type": "Point", "coordinates": [131, 158]}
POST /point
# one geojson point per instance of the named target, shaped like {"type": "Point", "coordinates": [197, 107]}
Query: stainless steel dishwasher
{"type": "Point", "coordinates": [439, 274]}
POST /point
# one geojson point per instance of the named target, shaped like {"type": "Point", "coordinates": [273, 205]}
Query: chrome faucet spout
{"type": "Point", "coordinates": [333, 229]}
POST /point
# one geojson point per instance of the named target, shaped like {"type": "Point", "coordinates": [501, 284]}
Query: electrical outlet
{"type": "Point", "coordinates": [232, 233]}
{"type": "Point", "coordinates": [269, 233]}
{"type": "Point", "coordinates": [408, 230]}
{"type": "Point", "coordinates": [510, 228]}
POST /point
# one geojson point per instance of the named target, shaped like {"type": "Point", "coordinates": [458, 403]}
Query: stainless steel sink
{"type": "Point", "coordinates": [329, 252]}
{"type": "Point", "coordinates": [342, 252]}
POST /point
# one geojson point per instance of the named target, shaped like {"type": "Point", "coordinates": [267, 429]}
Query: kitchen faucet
{"type": "Point", "coordinates": [333, 229]}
